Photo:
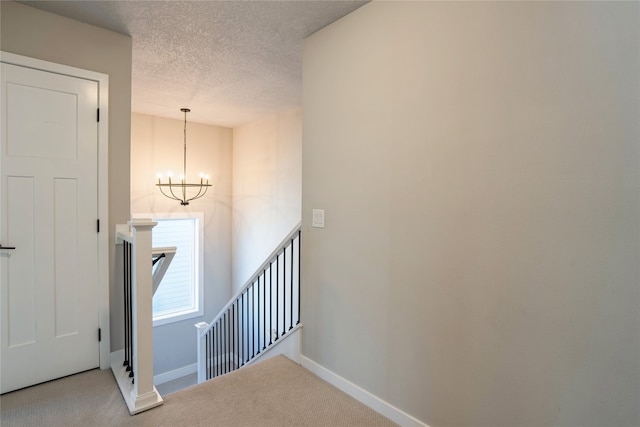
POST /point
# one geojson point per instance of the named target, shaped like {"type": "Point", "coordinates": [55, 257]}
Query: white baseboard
{"type": "Point", "coordinates": [360, 394]}
{"type": "Point", "coordinates": [175, 374]}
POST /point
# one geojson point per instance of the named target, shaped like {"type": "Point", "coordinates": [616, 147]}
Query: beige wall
{"type": "Point", "coordinates": [266, 188]}
{"type": "Point", "coordinates": [478, 164]}
{"type": "Point", "coordinates": [30, 32]}
{"type": "Point", "coordinates": [157, 146]}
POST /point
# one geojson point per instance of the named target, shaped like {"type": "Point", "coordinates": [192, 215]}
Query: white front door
{"type": "Point", "coordinates": [48, 195]}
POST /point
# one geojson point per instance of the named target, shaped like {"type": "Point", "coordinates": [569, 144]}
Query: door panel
{"type": "Point", "coordinates": [20, 319]}
{"type": "Point", "coordinates": [65, 279]}
{"type": "Point", "coordinates": [43, 122]}
{"type": "Point", "coordinates": [48, 166]}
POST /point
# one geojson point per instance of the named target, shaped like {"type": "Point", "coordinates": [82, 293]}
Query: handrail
{"type": "Point", "coordinates": [256, 273]}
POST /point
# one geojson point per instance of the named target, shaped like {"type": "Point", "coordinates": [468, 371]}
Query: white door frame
{"type": "Point", "coordinates": [103, 181]}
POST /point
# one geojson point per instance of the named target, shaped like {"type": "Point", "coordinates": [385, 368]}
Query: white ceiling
{"type": "Point", "coordinates": [231, 62]}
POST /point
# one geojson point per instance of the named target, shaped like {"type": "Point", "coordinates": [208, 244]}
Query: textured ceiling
{"type": "Point", "coordinates": [229, 61]}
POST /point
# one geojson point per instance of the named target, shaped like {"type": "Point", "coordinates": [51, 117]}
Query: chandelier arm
{"type": "Point", "coordinates": [203, 192]}
{"type": "Point", "coordinates": [198, 195]}
{"type": "Point", "coordinates": [200, 192]}
{"type": "Point", "coordinates": [170, 196]}
{"type": "Point", "coordinates": [173, 194]}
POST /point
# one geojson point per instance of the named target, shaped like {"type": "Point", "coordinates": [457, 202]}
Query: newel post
{"type": "Point", "coordinates": [202, 353]}
{"type": "Point", "coordinates": [144, 394]}
{"type": "Point", "coordinates": [133, 365]}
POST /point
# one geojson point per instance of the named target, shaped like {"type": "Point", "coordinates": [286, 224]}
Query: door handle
{"type": "Point", "coordinates": [6, 247]}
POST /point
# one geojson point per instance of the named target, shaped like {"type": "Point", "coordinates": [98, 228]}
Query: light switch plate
{"type": "Point", "coordinates": [318, 218]}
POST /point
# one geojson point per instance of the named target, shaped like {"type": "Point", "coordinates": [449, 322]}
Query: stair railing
{"type": "Point", "coordinates": [263, 311]}
{"type": "Point", "coordinates": [133, 366]}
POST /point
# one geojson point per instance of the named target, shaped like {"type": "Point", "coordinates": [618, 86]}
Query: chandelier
{"type": "Point", "coordinates": [182, 191]}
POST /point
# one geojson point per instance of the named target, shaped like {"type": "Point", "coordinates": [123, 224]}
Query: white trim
{"type": "Point", "coordinates": [199, 260]}
{"type": "Point", "coordinates": [165, 377]}
{"type": "Point", "coordinates": [39, 64]}
{"type": "Point", "coordinates": [288, 345]}
{"type": "Point", "coordinates": [103, 182]}
{"type": "Point", "coordinates": [360, 394]}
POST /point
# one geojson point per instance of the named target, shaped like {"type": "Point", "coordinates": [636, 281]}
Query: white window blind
{"type": "Point", "coordinates": [179, 294]}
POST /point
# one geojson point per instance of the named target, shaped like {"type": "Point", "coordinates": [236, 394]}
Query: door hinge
{"type": "Point", "coordinates": [98, 115]}
{"type": "Point", "coordinates": [97, 225]}
{"type": "Point", "coordinates": [99, 334]}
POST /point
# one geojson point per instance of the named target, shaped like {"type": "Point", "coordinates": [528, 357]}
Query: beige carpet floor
{"type": "Point", "coordinates": [276, 392]}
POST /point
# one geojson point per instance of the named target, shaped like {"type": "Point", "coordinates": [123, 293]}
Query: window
{"type": "Point", "coordinates": [180, 294]}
